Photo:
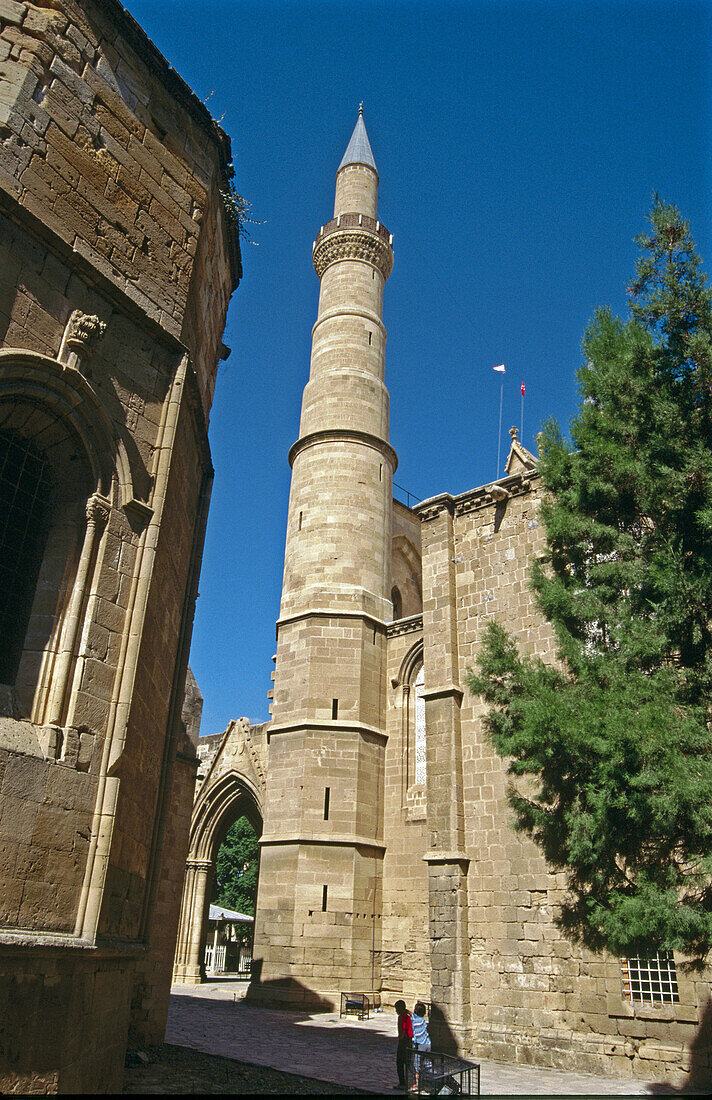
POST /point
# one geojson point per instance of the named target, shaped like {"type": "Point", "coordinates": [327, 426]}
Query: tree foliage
{"type": "Point", "coordinates": [616, 737]}
{"type": "Point", "coordinates": [236, 869]}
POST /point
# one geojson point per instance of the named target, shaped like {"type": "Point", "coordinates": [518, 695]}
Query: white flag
{"type": "Point", "coordinates": [500, 368]}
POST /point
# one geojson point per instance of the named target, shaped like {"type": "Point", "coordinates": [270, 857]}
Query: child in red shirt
{"type": "Point", "coordinates": [405, 1044]}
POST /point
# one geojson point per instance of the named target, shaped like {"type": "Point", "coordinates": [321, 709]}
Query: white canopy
{"type": "Point", "coordinates": [218, 913]}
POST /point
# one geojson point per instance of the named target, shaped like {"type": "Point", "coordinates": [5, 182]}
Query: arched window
{"type": "Point", "coordinates": [25, 491]}
{"type": "Point", "coordinates": [44, 486]}
{"type": "Point", "coordinates": [397, 601]}
{"type": "Point", "coordinates": [414, 734]}
{"type": "Point", "coordinates": [419, 740]}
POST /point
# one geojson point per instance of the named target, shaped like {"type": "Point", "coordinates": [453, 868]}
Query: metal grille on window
{"type": "Point", "coordinates": [650, 981]}
{"type": "Point", "coordinates": [420, 728]}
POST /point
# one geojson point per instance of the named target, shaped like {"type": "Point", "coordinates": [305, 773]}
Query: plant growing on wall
{"type": "Point", "coordinates": [239, 211]}
{"type": "Point", "coordinates": [610, 750]}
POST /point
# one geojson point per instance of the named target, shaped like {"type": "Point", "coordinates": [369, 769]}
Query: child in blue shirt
{"type": "Point", "coordinates": [421, 1039]}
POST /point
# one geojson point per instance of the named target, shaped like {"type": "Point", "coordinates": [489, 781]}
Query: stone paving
{"type": "Point", "coordinates": [213, 1018]}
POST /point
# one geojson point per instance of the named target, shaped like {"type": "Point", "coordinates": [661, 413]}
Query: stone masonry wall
{"type": "Point", "coordinates": [535, 997]}
{"type": "Point", "coordinates": [94, 144]}
{"type": "Point", "coordinates": [111, 210]}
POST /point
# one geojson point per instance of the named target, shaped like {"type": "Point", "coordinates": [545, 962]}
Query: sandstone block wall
{"type": "Point", "coordinates": [530, 995]}
{"type": "Point", "coordinates": [104, 145]}
{"type": "Point", "coordinates": [117, 262]}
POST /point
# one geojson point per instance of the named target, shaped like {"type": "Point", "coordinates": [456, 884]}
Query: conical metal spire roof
{"type": "Point", "coordinates": [358, 151]}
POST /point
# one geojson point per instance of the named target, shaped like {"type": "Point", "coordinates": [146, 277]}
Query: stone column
{"type": "Point", "coordinates": [447, 860]}
{"type": "Point", "coordinates": [97, 514]}
{"type": "Point", "coordinates": [189, 967]}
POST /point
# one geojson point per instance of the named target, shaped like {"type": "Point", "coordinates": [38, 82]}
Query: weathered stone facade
{"type": "Point", "coordinates": [389, 861]}
{"type": "Point", "coordinates": [117, 262]}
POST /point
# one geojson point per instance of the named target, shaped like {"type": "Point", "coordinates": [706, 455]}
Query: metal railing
{"type": "Point", "coordinates": [408, 495]}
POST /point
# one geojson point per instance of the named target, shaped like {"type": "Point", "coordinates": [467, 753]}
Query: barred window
{"type": "Point", "coordinates": [650, 981]}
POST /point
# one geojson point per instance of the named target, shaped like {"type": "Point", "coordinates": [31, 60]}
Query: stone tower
{"type": "Point", "coordinates": [318, 922]}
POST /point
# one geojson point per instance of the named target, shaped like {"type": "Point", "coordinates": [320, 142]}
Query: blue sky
{"type": "Point", "coordinates": [518, 145]}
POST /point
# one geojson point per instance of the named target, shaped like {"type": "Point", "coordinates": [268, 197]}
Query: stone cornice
{"type": "Point", "coordinates": [341, 840]}
{"type": "Point", "coordinates": [331, 613]}
{"type": "Point", "coordinates": [515, 485]}
{"type": "Point", "coordinates": [405, 626]}
{"type": "Point", "coordinates": [344, 435]}
{"type": "Point", "coordinates": [482, 497]}
{"type": "Point", "coordinates": [326, 725]}
{"type": "Point", "coordinates": [349, 311]}
{"type": "Point", "coordinates": [443, 691]}
{"type": "Point", "coordinates": [437, 857]}
{"type": "Point", "coordinates": [353, 244]}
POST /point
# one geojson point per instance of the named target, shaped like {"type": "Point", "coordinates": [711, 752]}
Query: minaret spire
{"type": "Point", "coordinates": [358, 150]}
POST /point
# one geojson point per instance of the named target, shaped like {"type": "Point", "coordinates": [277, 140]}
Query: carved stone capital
{"type": "Point", "coordinates": [80, 334]}
{"type": "Point", "coordinates": [98, 509]}
{"type": "Point", "coordinates": [350, 244]}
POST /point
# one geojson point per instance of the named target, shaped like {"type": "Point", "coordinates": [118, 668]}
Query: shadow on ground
{"type": "Point", "coordinates": [180, 1071]}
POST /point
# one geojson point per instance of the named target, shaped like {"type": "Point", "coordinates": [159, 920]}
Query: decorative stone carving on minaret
{"type": "Point", "coordinates": [80, 334]}
{"type": "Point", "coordinates": [340, 243]}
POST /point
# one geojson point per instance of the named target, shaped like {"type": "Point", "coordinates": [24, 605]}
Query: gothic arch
{"type": "Point", "coordinates": [37, 379]}
{"type": "Point", "coordinates": [220, 802]}
{"type": "Point", "coordinates": [410, 662]}
{"type": "Point", "coordinates": [50, 409]}
{"type": "Point", "coordinates": [224, 798]}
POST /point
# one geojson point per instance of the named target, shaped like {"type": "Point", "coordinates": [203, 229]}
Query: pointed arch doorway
{"type": "Point", "coordinates": [222, 801]}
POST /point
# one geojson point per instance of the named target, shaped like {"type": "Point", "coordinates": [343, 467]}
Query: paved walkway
{"type": "Point", "coordinates": [213, 1018]}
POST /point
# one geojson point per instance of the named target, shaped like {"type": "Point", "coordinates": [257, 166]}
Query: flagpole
{"type": "Point", "coordinates": [499, 437]}
{"type": "Point", "coordinates": [521, 420]}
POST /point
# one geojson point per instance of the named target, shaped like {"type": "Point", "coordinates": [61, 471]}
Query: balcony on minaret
{"type": "Point", "coordinates": [354, 221]}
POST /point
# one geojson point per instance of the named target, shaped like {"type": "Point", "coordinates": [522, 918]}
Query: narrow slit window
{"type": "Point", "coordinates": [300, 520]}
{"type": "Point", "coordinates": [334, 708]}
{"type": "Point", "coordinates": [380, 472]}
{"type": "Point", "coordinates": [327, 796]}
{"type": "Point", "coordinates": [370, 337]}
{"type": "Point", "coordinates": [324, 895]}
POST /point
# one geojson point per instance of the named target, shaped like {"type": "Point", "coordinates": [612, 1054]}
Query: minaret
{"type": "Point", "coordinates": [318, 912]}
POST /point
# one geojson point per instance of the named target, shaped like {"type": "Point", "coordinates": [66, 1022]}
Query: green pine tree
{"type": "Point", "coordinates": [236, 869]}
{"type": "Point", "coordinates": [616, 738]}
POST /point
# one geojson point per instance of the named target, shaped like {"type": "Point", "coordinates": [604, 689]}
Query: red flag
{"type": "Point", "coordinates": [523, 390]}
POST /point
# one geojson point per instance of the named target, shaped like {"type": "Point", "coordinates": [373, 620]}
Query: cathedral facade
{"type": "Point", "coordinates": [389, 863]}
